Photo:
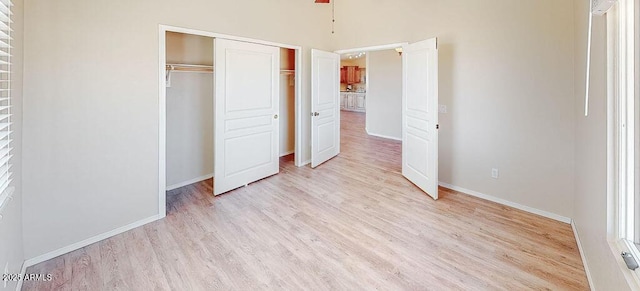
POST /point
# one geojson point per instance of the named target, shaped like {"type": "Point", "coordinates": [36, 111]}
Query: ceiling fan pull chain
{"type": "Point", "coordinates": [333, 17]}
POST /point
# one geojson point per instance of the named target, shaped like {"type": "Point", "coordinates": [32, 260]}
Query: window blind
{"type": "Point", "coordinates": [5, 101]}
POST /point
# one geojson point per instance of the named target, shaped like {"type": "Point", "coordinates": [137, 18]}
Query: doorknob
{"type": "Point", "coordinates": [275, 116]}
{"type": "Point", "coordinates": [315, 113]}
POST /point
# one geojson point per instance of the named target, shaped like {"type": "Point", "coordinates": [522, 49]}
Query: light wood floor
{"type": "Point", "coordinates": [353, 223]}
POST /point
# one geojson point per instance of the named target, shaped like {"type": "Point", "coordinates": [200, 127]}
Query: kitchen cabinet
{"type": "Point", "coordinates": [351, 74]}
{"type": "Point", "coordinates": [353, 101]}
{"type": "Point", "coordinates": [359, 102]}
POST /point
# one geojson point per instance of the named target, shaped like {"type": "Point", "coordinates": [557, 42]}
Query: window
{"type": "Point", "coordinates": [5, 102]}
{"type": "Point", "coordinates": [622, 31]}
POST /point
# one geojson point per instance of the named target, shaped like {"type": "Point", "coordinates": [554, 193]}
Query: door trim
{"type": "Point", "coordinates": [162, 98]}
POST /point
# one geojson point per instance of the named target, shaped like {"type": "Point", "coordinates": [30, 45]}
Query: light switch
{"type": "Point", "coordinates": [442, 108]}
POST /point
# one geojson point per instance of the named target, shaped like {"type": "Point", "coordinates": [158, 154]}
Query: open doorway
{"type": "Point", "coordinates": [371, 91]}
{"type": "Point", "coordinates": [418, 104]}
{"type": "Point", "coordinates": [214, 122]}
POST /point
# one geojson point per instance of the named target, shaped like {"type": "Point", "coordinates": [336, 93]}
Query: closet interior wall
{"type": "Point", "coordinates": [287, 101]}
{"type": "Point", "coordinates": [189, 120]}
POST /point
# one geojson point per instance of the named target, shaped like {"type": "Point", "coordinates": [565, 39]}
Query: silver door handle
{"type": "Point", "coordinates": [315, 113]}
{"type": "Point", "coordinates": [275, 116]}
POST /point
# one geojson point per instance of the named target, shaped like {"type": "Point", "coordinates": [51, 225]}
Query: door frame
{"type": "Point", "coordinates": [162, 98]}
{"type": "Point", "coordinates": [379, 48]}
{"type": "Point", "coordinates": [372, 49]}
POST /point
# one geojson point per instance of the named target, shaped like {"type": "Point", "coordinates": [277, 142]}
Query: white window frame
{"type": "Point", "coordinates": [622, 75]}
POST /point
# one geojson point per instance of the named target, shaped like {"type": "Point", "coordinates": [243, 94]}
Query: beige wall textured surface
{"type": "Point", "coordinates": [384, 94]}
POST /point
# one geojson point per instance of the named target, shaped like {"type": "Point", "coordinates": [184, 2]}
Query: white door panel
{"type": "Point", "coordinates": [246, 130]}
{"type": "Point", "coordinates": [420, 115]}
{"type": "Point", "coordinates": [325, 106]}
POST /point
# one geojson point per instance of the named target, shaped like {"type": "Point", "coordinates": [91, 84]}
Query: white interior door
{"type": "Point", "coordinates": [420, 115]}
{"type": "Point", "coordinates": [325, 106]}
{"type": "Point", "coordinates": [246, 130]}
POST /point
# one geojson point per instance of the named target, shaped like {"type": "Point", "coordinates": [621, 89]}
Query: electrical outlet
{"type": "Point", "coordinates": [442, 108]}
{"type": "Point", "coordinates": [495, 173]}
{"type": "Point", "coordinates": [6, 271]}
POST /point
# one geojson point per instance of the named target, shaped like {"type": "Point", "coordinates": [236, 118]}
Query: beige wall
{"type": "Point", "coordinates": [590, 201]}
{"type": "Point", "coordinates": [384, 94]}
{"type": "Point", "coordinates": [91, 111]}
{"type": "Point", "coordinates": [189, 110]}
{"type": "Point", "coordinates": [506, 76]}
{"type": "Point", "coordinates": [11, 242]}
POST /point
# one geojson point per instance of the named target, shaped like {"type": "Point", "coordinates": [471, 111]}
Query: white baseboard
{"type": "Point", "coordinates": [507, 203]}
{"type": "Point", "coordinates": [189, 182]}
{"type": "Point", "coordinates": [584, 259]}
{"type": "Point", "coordinates": [86, 242]}
{"type": "Point", "coordinates": [382, 135]}
{"type": "Point", "coordinates": [305, 163]}
{"type": "Point", "coordinates": [287, 153]}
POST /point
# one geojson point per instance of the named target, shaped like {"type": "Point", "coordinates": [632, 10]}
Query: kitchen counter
{"type": "Point", "coordinates": [352, 101]}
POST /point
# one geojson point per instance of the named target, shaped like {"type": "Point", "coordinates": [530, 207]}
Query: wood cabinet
{"type": "Point", "coordinates": [350, 75]}
{"type": "Point", "coordinates": [353, 101]}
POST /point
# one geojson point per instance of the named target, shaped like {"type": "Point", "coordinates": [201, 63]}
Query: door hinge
{"type": "Point", "coordinates": [437, 126]}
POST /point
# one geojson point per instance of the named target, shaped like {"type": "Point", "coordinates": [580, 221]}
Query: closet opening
{"type": "Point", "coordinates": [209, 117]}
{"type": "Point", "coordinates": [189, 103]}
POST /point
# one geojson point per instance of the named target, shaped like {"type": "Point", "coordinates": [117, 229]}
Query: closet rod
{"type": "Point", "coordinates": [188, 67]}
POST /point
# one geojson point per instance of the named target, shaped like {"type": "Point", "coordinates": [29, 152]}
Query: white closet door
{"type": "Point", "coordinates": [246, 131]}
{"type": "Point", "coordinates": [325, 106]}
{"type": "Point", "coordinates": [420, 115]}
